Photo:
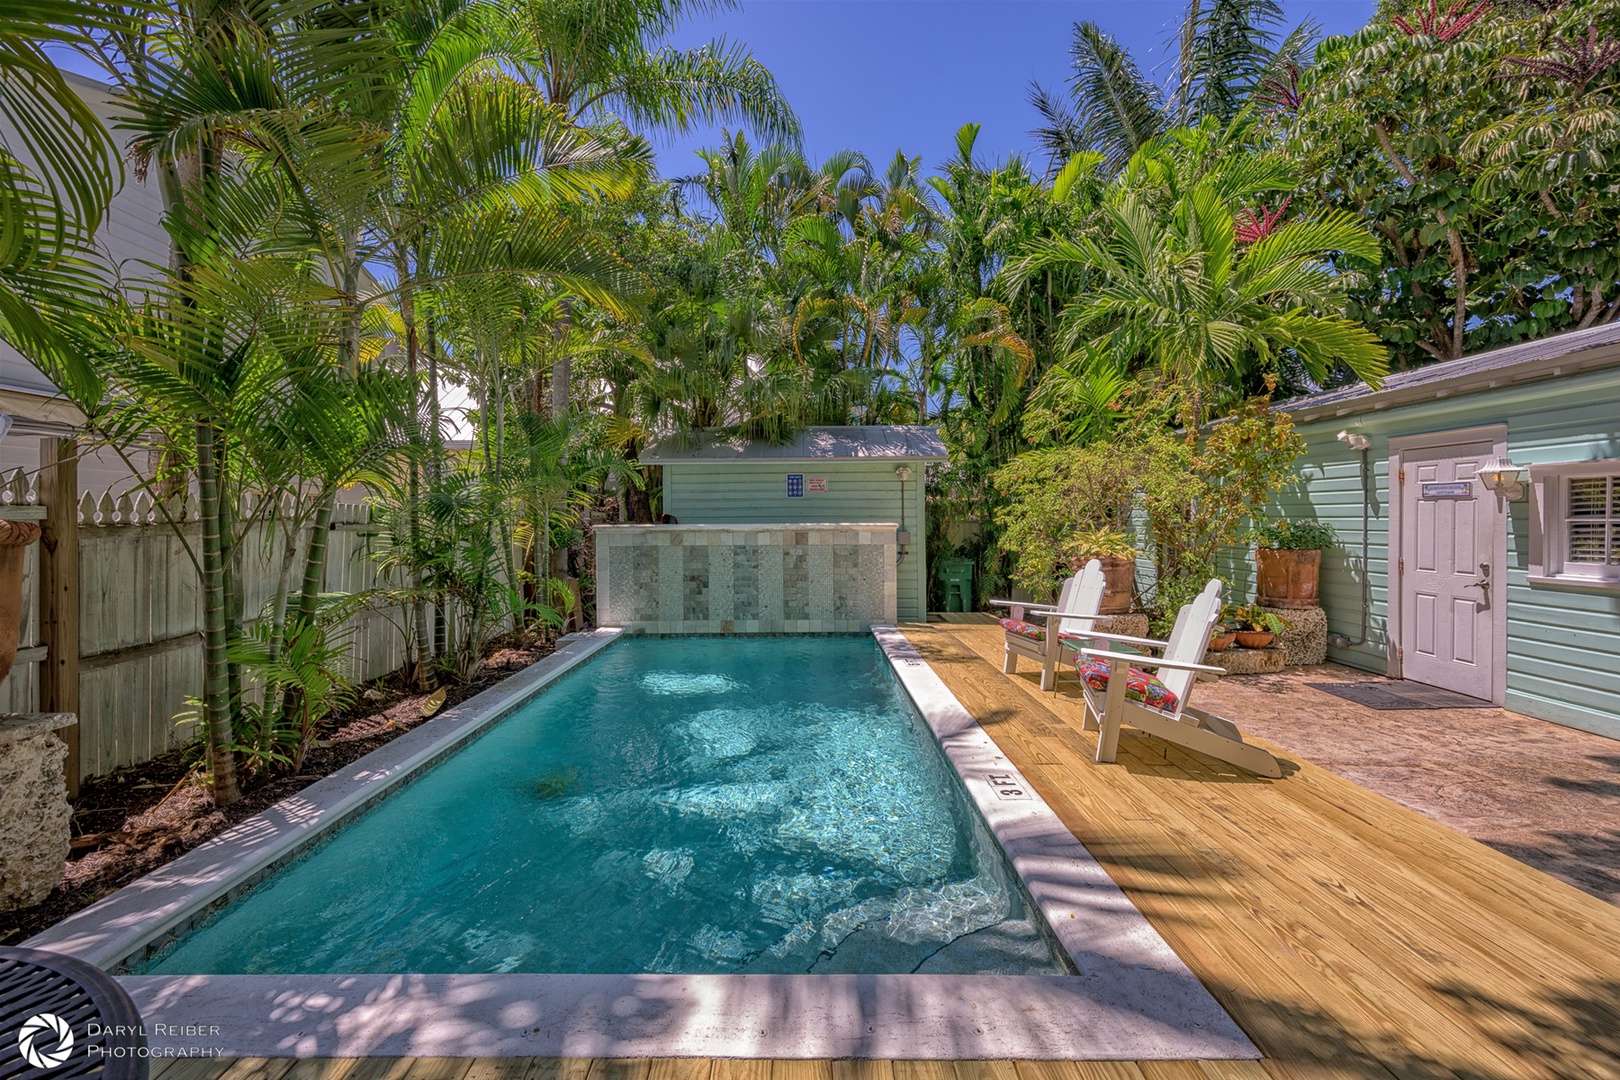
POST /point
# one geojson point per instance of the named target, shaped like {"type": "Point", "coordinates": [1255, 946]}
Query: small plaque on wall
{"type": "Point", "coordinates": [795, 485]}
{"type": "Point", "coordinates": [1460, 489]}
{"type": "Point", "coordinates": [818, 485]}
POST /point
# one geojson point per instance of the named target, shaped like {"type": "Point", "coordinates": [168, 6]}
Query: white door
{"type": "Point", "coordinates": [1452, 592]}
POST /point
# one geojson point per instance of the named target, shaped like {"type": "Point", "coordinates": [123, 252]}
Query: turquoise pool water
{"type": "Point", "coordinates": [674, 805]}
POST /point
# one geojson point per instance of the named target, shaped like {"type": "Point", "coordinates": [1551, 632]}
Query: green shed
{"type": "Point", "coordinates": [1491, 492]}
{"type": "Point", "coordinates": [826, 475]}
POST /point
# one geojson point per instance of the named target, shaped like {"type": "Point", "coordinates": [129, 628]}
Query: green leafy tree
{"type": "Point", "coordinates": [1477, 143]}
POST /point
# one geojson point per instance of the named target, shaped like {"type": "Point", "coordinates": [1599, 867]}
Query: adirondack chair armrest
{"type": "Point", "coordinates": [1048, 614]}
{"type": "Point", "coordinates": [1149, 643]}
{"type": "Point", "coordinates": [1136, 660]}
{"type": "Point", "coordinates": [1025, 604]}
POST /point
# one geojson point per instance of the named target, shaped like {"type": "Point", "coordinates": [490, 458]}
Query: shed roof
{"type": "Point", "coordinates": [892, 442]}
{"type": "Point", "coordinates": [1543, 358]}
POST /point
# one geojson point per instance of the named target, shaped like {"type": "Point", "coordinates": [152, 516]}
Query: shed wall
{"type": "Point", "coordinates": [1563, 647]}
{"type": "Point", "coordinates": [755, 493]}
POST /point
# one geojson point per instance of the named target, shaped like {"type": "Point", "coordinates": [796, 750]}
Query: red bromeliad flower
{"type": "Point", "coordinates": [1445, 25]}
{"type": "Point", "coordinates": [1256, 225]}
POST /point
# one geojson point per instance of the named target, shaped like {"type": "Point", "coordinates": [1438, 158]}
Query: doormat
{"type": "Point", "coordinates": [1402, 694]}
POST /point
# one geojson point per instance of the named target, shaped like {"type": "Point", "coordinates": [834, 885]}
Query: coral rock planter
{"type": "Point", "coordinates": [1305, 640]}
{"type": "Point", "coordinates": [15, 536]}
{"type": "Point", "coordinates": [1287, 579]}
{"type": "Point", "coordinates": [33, 806]}
{"type": "Point", "coordinates": [1248, 661]}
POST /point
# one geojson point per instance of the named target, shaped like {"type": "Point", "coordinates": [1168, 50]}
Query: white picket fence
{"type": "Point", "coordinates": [140, 615]}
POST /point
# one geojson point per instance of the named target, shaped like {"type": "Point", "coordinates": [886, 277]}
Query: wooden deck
{"type": "Point", "coordinates": [1349, 937]}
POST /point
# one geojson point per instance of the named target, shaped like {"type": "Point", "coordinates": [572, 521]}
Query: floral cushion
{"type": "Point", "coordinates": [1036, 633]}
{"type": "Point", "coordinates": [1024, 629]}
{"type": "Point", "coordinates": [1139, 685]}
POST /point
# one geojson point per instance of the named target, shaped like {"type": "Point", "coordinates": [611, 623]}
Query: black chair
{"type": "Point", "coordinates": [46, 999]}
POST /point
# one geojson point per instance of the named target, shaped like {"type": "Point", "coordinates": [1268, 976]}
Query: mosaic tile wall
{"type": "Point", "coordinates": [745, 579]}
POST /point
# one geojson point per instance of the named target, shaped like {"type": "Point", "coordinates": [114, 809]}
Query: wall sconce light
{"type": "Point", "coordinates": [1502, 477]}
{"type": "Point", "coordinates": [1354, 441]}
{"type": "Point", "coordinates": [903, 472]}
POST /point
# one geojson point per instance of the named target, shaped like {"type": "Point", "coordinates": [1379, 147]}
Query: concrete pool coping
{"type": "Point", "coordinates": [1132, 999]}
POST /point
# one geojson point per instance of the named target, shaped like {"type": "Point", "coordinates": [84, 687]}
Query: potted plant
{"type": "Point", "coordinates": [1113, 549]}
{"type": "Point", "coordinates": [1255, 626]}
{"type": "Point", "coordinates": [1222, 637]}
{"type": "Point", "coordinates": [1288, 561]}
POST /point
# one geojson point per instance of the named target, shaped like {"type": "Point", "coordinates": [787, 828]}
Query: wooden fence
{"type": "Point", "coordinates": [139, 615]}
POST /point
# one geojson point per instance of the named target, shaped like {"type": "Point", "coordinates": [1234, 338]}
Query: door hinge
{"type": "Point", "coordinates": [1400, 654]}
{"type": "Point", "coordinates": [1400, 565]}
{"type": "Point", "coordinates": [1400, 474]}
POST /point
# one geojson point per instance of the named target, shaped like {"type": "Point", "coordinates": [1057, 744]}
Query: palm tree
{"type": "Point", "coordinates": [597, 59]}
{"type": "Point", "coordinates": [1226, 50]}
{"type": "Point", "coordinates": [55, 184]}
{"type": "Point", "coordinates": [1185, 294]}
{"type": "Point", "coordinates": [600, 61]}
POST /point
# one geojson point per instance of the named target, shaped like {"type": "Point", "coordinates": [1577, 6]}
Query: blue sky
{"type": "Point", "coordinates": [881, 75]}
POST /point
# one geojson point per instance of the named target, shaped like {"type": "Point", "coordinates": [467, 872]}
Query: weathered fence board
{"type": "Point", "coordinates": [140, 618]}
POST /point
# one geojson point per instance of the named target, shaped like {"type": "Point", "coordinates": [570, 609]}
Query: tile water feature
{"type": "Point", "coordinates": [745, 579]}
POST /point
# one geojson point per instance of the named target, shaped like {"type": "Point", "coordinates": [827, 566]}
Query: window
{"type": "Point", "coordinates": [1575, 523]}
{"type": "Point", "coordinates": [1591, 518]}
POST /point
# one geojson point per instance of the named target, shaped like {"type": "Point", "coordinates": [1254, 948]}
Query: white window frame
{"type": "Point", "coordinates": [1549, 487]}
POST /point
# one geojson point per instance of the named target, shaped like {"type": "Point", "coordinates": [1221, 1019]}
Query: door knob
{"type": "Point", "coordinates": [1483, 584]}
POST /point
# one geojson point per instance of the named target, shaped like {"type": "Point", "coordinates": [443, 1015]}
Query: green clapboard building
{"type": "Point", "coordinates": [826, 475]}
{"type": "Point", "coordinates": [1491, 487]}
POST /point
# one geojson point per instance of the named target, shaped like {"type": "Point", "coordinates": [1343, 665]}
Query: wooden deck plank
{"type": "Point", "coordinates": [681, 1069]}
{"type": "Point", "coordinates": [258, 1069]}
{"type": "Point", "coordinates": [499, 1069]}
{"type": "Point", "coordinates": [741, 1069]}
{"type": "Point", "coordinates": [1346, 934]}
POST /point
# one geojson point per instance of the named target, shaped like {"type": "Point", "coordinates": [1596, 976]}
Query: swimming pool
{"type": "Point", "coordinates": [678, 805]}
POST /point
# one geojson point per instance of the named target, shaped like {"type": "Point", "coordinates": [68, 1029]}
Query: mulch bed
{"type": "Point", "coordinates": [130, 822]}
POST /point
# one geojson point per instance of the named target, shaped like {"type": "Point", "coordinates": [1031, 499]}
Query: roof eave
{"type": "Point", "coordinates": [1466, 383]}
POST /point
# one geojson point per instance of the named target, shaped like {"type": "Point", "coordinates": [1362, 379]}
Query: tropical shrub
{"type": "Point", "coordinates": [1053, 495]}
{"type": "Point", "coordinates": [1253, 617]}
{"type": "Point", "coordinates": [1198, 497]}
{"type": "Point", "coordinates": [1293, 534]}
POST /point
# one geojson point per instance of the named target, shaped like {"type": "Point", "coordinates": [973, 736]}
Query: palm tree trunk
{"type": "Point", "coordinates": [435, 465]}
{"type": "Point", "coordinates": [216, 689]}
{"type": "Point", "coordinates": [419, 616]}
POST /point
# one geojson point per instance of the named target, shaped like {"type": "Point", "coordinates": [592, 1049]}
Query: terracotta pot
{"type": "Point", "coordinates": [15, 536]}
{"type": "Point", "coordinates": [1255, 639]}
{"type": "Point", "coordinates": [1287, 579]}
{"type": "Point", "coordinates": [1119, 574]}
{"type": "Point", "coordinates": [1222, 642]}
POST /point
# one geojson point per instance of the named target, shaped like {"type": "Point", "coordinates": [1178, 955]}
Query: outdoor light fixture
{"type": "Point", "coordinates": [1354, 442]}
{"type": "Point", "coordinates": [1501, 476]}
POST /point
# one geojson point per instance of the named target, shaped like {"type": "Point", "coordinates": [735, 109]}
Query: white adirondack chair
{"type": "Point", "coordinates": [1040, 634]}
{"type": "Point", "coordinates": [1158, 703]}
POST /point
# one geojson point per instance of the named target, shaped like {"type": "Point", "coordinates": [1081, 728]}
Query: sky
{"type": "Point", "coordinates": [882, 75]}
